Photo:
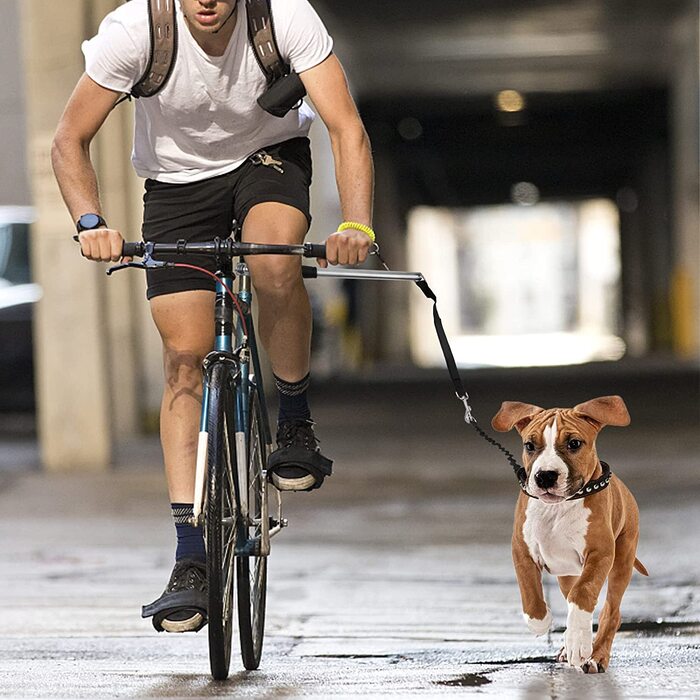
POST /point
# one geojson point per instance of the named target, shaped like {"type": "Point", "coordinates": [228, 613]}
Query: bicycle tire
{"type": "Point", "coordinates": [220, 535]}
{"type": "Point", "coordinates": [251, 571]}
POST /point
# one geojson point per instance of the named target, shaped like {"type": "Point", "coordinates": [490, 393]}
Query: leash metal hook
{"type": "Point", "coordinates": [468, 417]}
{"type": "Point", "coordinates": [374, 250]}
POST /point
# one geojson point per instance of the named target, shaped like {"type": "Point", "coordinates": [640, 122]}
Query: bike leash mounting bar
{"type": "Point", "coordinates": [310, 272]}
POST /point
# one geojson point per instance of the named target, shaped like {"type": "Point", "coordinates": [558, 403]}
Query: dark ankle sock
{"type": "Point", "coordinates": [293, 401]}
{"type": "Point", "coordinates": [190, 539]}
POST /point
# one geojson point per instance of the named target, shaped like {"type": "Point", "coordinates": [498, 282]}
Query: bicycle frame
{"type": "Point", "coordinates": [239, 349]}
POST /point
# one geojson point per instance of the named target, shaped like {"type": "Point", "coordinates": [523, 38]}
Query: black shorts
{"type": "Point", "coordinates": [203, 210]}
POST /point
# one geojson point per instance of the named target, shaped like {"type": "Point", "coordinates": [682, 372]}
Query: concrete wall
{"type": "Point", "coordinates": [14, 184]}
{"type": "Point", "coordinates": [87, 329]}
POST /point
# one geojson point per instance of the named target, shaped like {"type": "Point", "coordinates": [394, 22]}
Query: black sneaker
{"type": "Point", "coordinates": [297, 464]}
{"type": "Point", "coordinates": [183, 605]}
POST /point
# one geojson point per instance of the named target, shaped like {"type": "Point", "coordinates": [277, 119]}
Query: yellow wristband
{"type": "Point", "coordinates": [358, 227]}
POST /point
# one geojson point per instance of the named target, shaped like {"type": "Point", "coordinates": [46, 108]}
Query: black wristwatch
{"type": "Point", "coordinates": [88, 222]}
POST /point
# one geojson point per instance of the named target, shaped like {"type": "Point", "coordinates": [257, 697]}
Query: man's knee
{"type": "Point", "coordinates": [273, 222]}
{"type": "Point", "coordinates": [275, 275]}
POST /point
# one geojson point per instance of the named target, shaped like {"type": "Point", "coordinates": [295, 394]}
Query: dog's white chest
{"type": "Point", "coordinates": [556, 535]}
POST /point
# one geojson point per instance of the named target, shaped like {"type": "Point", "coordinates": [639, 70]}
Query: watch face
{"type": "Point", "coordinates": [88, 221]}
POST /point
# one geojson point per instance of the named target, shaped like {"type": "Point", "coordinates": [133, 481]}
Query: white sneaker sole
{"type": "Point", "coordinates": [191, 623]}
{"type": "Point", "coordinates": [300, 484]}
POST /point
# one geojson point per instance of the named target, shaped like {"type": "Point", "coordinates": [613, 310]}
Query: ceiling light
{"type": "Point", "coordinates": [510, 101]}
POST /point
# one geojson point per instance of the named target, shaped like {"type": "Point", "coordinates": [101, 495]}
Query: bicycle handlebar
{"type": "Point", "coordinates": [226, 248]}
{"type": "Point", "coordinates": [231, 248]}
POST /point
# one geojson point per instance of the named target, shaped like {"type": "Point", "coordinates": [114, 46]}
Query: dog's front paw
{"type": "Point", "coordinates": [592, 666]}
{"type": "Point", "coordinates": [578, 637]}
{"type": "Point", "coordinates": [538, 627]}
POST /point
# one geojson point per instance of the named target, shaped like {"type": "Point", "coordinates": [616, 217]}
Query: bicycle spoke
{"type": "Point", "coordinates": [228, 533]}
{"type": "Point", "coordinates": [257, 584]}
{"type": "Point", "coordinates": [228, 588]}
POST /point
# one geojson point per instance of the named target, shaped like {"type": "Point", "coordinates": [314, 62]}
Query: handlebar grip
{"type": "Point", "coordinates": [309, 272]}
{"type": "Point", "coordinates": [315, 250]}
{"type": "Point", "coordinates": [132, 249]}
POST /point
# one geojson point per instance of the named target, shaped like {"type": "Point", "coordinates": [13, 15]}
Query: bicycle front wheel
{"type": "Point", "coordinates": [220, 518]}
{"type": "Point", "coordinates": [251, 571]}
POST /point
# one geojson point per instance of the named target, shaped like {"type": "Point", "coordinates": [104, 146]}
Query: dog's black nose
{"type": "Point", "coordinates": [545, 480]}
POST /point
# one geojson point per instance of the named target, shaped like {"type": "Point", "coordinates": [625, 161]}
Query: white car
{"type": "Point", "coordinates": [17, 297]}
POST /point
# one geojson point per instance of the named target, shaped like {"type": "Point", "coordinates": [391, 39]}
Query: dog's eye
{"type": "Point", "coordinates": [574, 444]}
{"type": "Point", "coordinates": [529, 446]}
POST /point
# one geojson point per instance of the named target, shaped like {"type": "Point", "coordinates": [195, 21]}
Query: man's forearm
{"type": "Point", "coordinates": [354, 172]}
{"type": "Point", "coordinates": [76, 177]}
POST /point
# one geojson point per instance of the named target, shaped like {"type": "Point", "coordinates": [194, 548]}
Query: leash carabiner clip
{"type": "Point", "coordinates": [468, 417]}
{"type": "Point", "coordinates": [374, 250]}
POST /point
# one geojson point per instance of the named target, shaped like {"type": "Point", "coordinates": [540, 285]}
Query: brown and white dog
{"type": "Point", "coordinates": [582, 542]}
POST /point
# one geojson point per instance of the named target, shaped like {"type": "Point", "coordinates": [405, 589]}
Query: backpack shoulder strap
{"type": "Point", "coordinates": [162, 21]}
{"type": "Point", "coordinates": [261, 33]}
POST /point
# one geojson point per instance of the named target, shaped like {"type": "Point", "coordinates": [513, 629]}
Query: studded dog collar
{"type": "Point", "coordinates": [591, 487]}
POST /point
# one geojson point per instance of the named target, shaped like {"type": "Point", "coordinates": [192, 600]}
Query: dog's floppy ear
{"type": "Point", "coordinates": [606, 410]}
{"type": "Point", "coordinates": [514, 414]}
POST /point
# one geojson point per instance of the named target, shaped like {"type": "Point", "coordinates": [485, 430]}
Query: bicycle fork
{"type": "Point", "coordinates": [223, 352]}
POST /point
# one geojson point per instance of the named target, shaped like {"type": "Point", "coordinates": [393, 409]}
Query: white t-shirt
{"type": "Point", "coordinates": [205, 121]}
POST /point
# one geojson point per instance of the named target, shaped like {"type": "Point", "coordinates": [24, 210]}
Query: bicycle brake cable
{"type": "Point", "coordinates": [239, 311]}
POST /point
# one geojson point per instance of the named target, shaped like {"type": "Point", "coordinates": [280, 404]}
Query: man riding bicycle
{"type": "Point", "coordinates": [210, 154]}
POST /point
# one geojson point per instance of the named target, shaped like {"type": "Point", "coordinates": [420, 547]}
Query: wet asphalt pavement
{"type": "Point", "coordinates": [395, 579]}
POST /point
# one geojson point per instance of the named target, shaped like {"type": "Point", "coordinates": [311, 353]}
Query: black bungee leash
{"type": "Point", "coordinates": [592, 486]}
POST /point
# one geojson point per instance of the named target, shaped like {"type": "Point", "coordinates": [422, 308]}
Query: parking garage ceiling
{"type": "Point", "coordinates": [467, 47]}
{"type": "Point", "coordinates": [595, 78]}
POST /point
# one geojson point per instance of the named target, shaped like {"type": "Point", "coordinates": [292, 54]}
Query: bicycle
{"type": "Point", "coordinates": [231, 499]}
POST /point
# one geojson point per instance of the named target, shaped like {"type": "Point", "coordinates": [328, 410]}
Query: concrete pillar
{"type": "Point", "coordinates": [112, 150]}
{"type": "Point", "coordinates": [685, 282]}
{"type": "Point", "coordinates": [84, 328]}
{"type": "Point", "coordinates": [14, 188]}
